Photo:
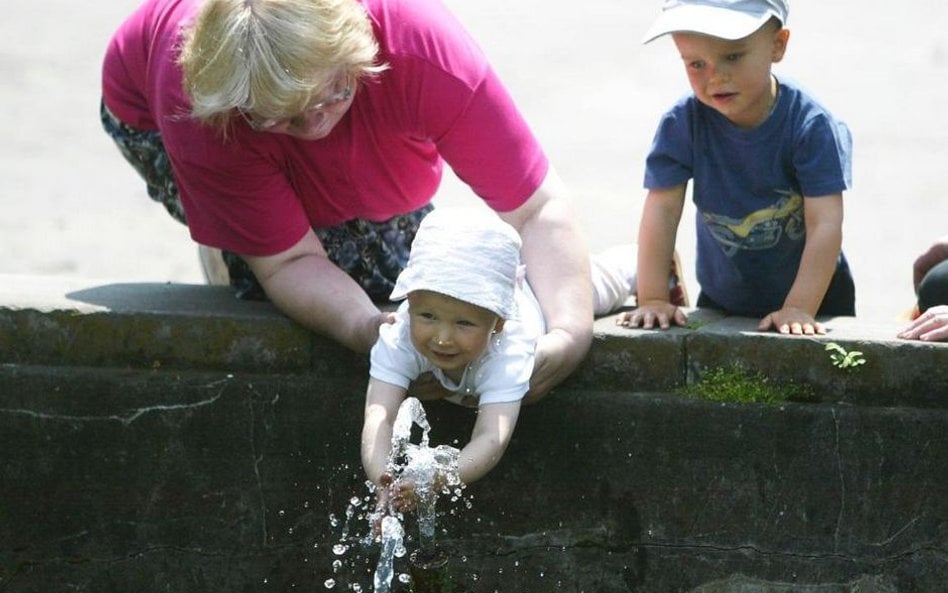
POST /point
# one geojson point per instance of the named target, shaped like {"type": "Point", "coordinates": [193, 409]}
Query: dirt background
{"type": "Point", "coordinates": [591, 91]}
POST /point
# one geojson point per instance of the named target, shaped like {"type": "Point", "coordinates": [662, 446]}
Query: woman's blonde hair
{"type": "Point", "coordinates": [272, 57]}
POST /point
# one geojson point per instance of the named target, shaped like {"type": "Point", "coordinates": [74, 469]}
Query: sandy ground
{"type": "Point", "coordinates": [593, 94]}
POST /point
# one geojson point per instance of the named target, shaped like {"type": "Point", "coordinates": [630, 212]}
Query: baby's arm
{"type": "Point", "coordinates": [657, 231]}
{"type": "Point", "coordinates": [382, 401]}
{"type": "Point", "coordinates": [489, 439]}
{"type": "Point", "coordinates": [824, 237]}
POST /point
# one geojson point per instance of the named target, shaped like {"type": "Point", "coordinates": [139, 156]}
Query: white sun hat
{"type": "Point", "coordinates": [726, 19]}
{"type": "Point", "coordinates": [468, 254]}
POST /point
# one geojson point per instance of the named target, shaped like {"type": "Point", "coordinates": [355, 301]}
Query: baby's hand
{"type": "Point", "coordinates": [648, 313]}
{"type": "Point", "coordinates": [383, 493]}
{"type": "Point", "coordinates": [404, 495]}
{"type": "Point", "coordinates": [407, 494]}
{"type": "Point", "coordinates": [790, 320]}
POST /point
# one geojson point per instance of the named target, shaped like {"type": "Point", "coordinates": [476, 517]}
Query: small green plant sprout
{"type": "Point", "coordinates": [845, 359]}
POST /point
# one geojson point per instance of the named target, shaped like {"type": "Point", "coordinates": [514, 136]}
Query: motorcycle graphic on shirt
{"type": "Point", "coordinates": [761, 229]}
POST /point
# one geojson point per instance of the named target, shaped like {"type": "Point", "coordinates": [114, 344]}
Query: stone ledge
{"type": "Point", "coordinates": [55, 321]}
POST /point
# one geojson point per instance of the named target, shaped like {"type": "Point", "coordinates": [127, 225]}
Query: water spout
{"type": "Point", "coordinates": [429, 572]}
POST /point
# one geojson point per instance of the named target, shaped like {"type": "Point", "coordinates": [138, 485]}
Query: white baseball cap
{"type": "Point", "coordinates": [471, 255]}
{"type": "Point", "coordinates": [726, 19]}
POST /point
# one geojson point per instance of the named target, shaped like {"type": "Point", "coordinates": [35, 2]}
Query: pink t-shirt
{"type": "Point", "coordinates": [257, 193]}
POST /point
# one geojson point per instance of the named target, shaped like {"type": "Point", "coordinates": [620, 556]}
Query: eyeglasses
{"type": "Point", "coordinates": [268, 124]}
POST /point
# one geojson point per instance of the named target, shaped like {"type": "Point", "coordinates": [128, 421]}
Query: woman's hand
{"type": "Point", "coordinates": [557, 355]}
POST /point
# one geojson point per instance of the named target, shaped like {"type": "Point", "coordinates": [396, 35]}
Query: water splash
{"type": "Point", "coordinates": [392, 537]}
{"type": "Point", "coordinates": [422, 465]}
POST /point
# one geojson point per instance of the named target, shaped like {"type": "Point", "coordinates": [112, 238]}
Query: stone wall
{"type": "Point", "coordinates": [171, 438]}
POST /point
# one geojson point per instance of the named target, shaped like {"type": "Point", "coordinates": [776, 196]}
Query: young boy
{"type": "Point", "coordinates": [769, 166]}
{"type": "Point", "coordinates": [472, 321]}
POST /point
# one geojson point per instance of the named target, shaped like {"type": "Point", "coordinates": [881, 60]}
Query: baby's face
{"type": "Point", "coordinates": [449, 332]}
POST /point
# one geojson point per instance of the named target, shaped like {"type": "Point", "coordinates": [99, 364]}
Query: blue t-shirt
{"type": "Point", "coordinates": [748, 190]}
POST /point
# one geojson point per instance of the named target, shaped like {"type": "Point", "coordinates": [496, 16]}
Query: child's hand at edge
{"type": "Point", "coordinates": [647, 314]}
{"type": "Point", "coordinates": [790, 320]}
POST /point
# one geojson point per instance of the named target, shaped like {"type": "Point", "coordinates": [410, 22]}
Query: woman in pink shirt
{"type": "Point", "coordinates": [305, 139]}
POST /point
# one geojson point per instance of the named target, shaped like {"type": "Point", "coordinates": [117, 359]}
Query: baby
{"type": "Point", "coordinates": [472, 321]}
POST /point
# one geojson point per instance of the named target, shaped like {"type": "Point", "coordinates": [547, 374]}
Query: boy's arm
{"type": "Point", "coordinates": [657, 232]}
{"type": "Point", "coordinates": [381, 408]}
{"type": "Point", "coordinates": [489, 439]}
{"type": "Point", "coordinates": [824, 238]}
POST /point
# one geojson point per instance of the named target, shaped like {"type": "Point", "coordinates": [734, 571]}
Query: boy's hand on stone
{"type": "Point", "coordinates": [790, 320]}
{"type": "Point", "coordinates": [650, 313]}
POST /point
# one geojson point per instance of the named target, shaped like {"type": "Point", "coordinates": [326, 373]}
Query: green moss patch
{"type": "Point", "coordinates": [736, 385]}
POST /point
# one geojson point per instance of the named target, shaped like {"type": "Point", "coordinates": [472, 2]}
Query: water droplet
{"type": "Point", "coordinates": [281, 513]}
{"type": "Point", "coordinates": [404, 578]}
{"type": "Point", "coordinates": [336, 565]}
{"type": "Point", "coordinates": [330, 583]}
{"type": "Point", "coordinates": [340, 549]}
{"type": "Point", "coordinates": [355, 501]}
